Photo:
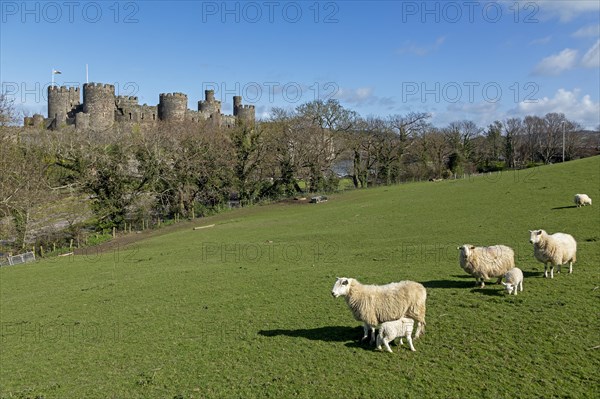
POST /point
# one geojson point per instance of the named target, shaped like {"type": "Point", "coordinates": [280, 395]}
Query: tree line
{"type": "Point", "coordinates": [132, 174]}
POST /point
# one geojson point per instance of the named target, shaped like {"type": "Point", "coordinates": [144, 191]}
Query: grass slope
{"type": "Point", "coordinates": [243, 309]}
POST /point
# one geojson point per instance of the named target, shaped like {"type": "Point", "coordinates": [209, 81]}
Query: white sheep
{"type": "Point", "coordinates": [513, 280]}
{"type": "Point", "coordinates": [484, 263]}
{"type": "Point", "coordinates": [376, 304]}
{"type": "Point", "coordinates": [556, 249]}
{"type": "Point", "coordinates": [582, 200]}
{"type": "Point", "coordinates": [390, 330]}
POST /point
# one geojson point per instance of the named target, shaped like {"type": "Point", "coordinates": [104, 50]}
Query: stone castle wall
{"type": "Point", "coordinates": [101, 109]}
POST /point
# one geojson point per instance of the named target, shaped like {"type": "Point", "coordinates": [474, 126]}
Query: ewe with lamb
{"type": "Point", "coordinates": [376, 304]}
{"type": "Point", "coordinates": [485, 263]}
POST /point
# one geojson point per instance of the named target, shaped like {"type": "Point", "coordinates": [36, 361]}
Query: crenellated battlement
{"type": "Point", "coordinates": [106, 86]}
{"type": "Point", "coordinates": [63, 89]}
{"type": "Point", "coordinates": [127, 98]}
{"type": "Point", "coordinates": [172, 95]}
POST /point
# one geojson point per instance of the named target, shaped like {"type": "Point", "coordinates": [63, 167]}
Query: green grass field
{"type": "Point", "coordinates": [243, 309]}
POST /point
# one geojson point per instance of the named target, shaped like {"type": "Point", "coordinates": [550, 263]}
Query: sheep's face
{"type": "Point", "coordinates": [341, 287]}
{"type": "Point", "coordinates": [465, 250]}
{"type": "Point", "coordinates": [535, 235]}
{"type": "Point", "coordinates": [508, 287]}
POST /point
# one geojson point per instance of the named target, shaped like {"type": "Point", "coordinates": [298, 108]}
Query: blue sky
{"type": "Point", "coordinates": [482, 61]}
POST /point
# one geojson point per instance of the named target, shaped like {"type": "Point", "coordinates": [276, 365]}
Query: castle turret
{"type": "Point", "coordinates": [62, 102]}
{"type": "Point", "coordinates": [237, 102]}
{"type": "Point", "coordinates": [243, 113]}
{"type": "Point", "coordinates": [172, 107]}
{"type": "Point", "coordinates": [99, 104]}
{"type": "Point", "coordinates": [209, 106]}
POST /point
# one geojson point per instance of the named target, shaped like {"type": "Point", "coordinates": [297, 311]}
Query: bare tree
{"type": "Point", "coordinates": [512, 129]}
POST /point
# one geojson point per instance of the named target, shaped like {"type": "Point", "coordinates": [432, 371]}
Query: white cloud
{"type": "Point", "coordinates": [557, 63]}
{"type": "Point", "coordinates": [421, 50]}
{"type": "Point", "coordinates": [591, 59]}
{"type": "Point", "coordinates": [363, 96]}
{"type": "Point", "coordinates": [587, 31]}
{"type": "Point", "coordinates": [564, 10]}
{"type": "Point", "coordinates": [580, 109]}
{"type": "Point", "coordinates": [482, 113]}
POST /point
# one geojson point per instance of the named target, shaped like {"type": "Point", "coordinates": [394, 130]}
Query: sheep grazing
{"type": "Point", "coordinates": [485, 263]}
{"type": "Point", "coordinates": [376, 304]}
{"type": "Point", "coordinates": [390, 330]}
{"type": "Point", "coordinates": [557, 249]}
{"type": "Point", "coordinates": [513, 280]}
{"type": "Point", "coordinates": [582, 200]}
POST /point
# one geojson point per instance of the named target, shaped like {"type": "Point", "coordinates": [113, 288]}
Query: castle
{"type": "Point", "coordinates": [101, 109]}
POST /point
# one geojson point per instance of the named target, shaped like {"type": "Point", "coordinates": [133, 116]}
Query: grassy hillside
{"type": "Point", "coordinates": [243, 309]}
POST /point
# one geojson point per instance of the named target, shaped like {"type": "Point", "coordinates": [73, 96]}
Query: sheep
{"type": "Point", "coordinates": [582, 200]}
{"type": "Point", "coordinates": [514, 280]}
{"type": "Point", "coordinates": [376, 304]}
{"type": "Point", "coordinates": [484, 263]}
{"type": "Point", "coordinates": [556, 249]}
{"type": "Point", "coordinates": [391, 330]}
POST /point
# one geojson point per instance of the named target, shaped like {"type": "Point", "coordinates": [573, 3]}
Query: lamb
{"type": "Point", "coordinates": [514, 280]}
{"type": "Point", "coordinates": [484, 263]}
{"type": "Point", "coordinates": [391, 330]}
{"type": "Point", "coordinates": [376, 304]}
{"type": "Point", "coordinates": [556, 249]}
{"type": "Point", "coordinates": [582, 200]}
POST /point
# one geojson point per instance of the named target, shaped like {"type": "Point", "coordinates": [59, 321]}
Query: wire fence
{"type": "Point", "coordinates": [17, 259]}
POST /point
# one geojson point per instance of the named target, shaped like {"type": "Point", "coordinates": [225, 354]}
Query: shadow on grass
{"type": "Point", "coordinates": [448, 284]}
{"type": "Point", "coordinates": [564, 207]}
{"type": "Point", "coordinates": [350, 335]}
{"type": "Point", "coordinates": [533, 274]}
{"type": "Point", "coordinates": [489, 292]}
{"type": "Point", "coordinates": [327, 334]}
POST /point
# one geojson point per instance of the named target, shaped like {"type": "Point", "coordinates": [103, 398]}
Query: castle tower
{"type": "Point", "coordinates": [62, 102]}
{"type": "Point", "coordinates": [172, 107]}
{"type": "Point", "coordinates": [243, 113]}
{"type": "Point", "coordinates": [99, 104]}
{"type": "Point", "coordinates": [237, 102]}
{"type": "Point", "coordinates": [209, 106]}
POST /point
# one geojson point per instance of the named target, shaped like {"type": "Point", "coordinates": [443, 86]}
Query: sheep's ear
{"type": "Point", "coordinates": [458, 248]}
{"type": "Point", "coordinates": [503, 283]}
{"type": "Point", "coordinates": [539, 232]}
{"type": "Point", "coordinates": [472, 246]}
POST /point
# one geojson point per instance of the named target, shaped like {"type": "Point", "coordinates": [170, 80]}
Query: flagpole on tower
{"type": "Point", "coordinates": [54, 72]}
